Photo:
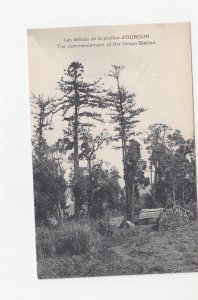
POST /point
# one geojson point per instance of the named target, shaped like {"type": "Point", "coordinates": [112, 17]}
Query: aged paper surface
{"type": "Point", "coordinates": [113, 150]}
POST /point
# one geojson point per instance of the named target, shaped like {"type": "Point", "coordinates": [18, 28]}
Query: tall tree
{"type": "Point", "coordinates": [58, 153]}
{"type": "Point", "coordinates": [135, 170]}
{"type": "Point", "coordinates": [123, 114]}
{"type": "Point", "coordinates": [104, 188]}
{"type": "Point", "coordinates": [49, 189]}
{"type": "Point", "coordinates": [42, 111]}
{"type": "Point", "coordinates": [48, 172]}
{"type": "Point", "coordinates": [113, 189]}
{"type": "Point", "coordinates": [172, 165]}
{"type": "Point", "coordinates": [77, 104]}
{"type": "Point", "coordinates": [89, 146]}
{"type": "Point", "coordinates": [156, 141]}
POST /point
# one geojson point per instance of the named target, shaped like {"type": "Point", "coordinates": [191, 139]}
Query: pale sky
{"type": "Point", "coordinates": [159, 73]}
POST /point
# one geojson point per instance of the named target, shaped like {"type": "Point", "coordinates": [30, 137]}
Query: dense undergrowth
{"type": "Point", "coordinates": [96, 249]}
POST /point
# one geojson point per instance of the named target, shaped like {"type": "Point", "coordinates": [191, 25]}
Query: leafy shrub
{"type": "Point", "coordinates": [70, 238]}
{"type": "Point", "coordinates": [46, 184]}
{"type": "Point", "coordinates": [105, 228]}
{"type": "Point", "coordinates": [73, 240]}
{"type": "Point", "coordinates": [44, 244]}
{"type": "Point", "coordinates": [147, 201]}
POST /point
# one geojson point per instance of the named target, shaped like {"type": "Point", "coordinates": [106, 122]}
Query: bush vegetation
{"type": "Point", "coordinates": [67, 239]}
{"type": "Point", "coordinates": [75, 250]}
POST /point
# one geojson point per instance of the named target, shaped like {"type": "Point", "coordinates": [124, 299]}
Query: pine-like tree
{"type": "Point", "coordinates": [123, 114]}
{"type": "Point", "coordinates": [77, 104]}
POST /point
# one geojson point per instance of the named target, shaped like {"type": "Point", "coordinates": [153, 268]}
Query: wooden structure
{"type": "Point", "coordinates": [169, 218]}
{"type": "Point", "coordinates": [152, 214]}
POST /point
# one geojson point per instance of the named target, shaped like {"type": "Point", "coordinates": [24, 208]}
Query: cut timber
{"type": "Point", "coordinates": [131, 224]}
{"type": "Point", "coordinates": [153, 213]}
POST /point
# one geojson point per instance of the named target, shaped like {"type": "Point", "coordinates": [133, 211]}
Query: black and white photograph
{"type": "Point", "coordinates": [113, 150]}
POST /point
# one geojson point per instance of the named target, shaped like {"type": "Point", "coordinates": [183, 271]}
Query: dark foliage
{"type": "Point", "coordinates": [49, 189]}
{"type": "Point", "coordinates": [105, 228]}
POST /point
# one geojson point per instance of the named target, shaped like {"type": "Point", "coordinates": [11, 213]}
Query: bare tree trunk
{"type": "Point", "coordinates": [126, 180]}
{"type": "Point", "coordinates": [173, 196]}
{"type": "Point", "coordinates": [64, 214]}
{"type": "Point", "coordinates": [132, 198]}
{"type": "Point", "coordinates": [76, 158]}
{"type": "Point", "coordinates": [124, 154]}
{"type": "Point", "coordinates": [154, 184]}
{"type": "Point", "coordinates": [60, 216]}
{"type": "Point", "coordinates": [183, 193]}
{"type": "Point", "coordinates": [152, 188]}
{"type": "Point", "coordinates": [91, 191]}
{"type": "Point", "coordinates": [129, 203]}
{"type": "Point", "coordinates": [89, 166]}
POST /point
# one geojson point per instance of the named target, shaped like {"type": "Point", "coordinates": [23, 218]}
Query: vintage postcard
{"type": "Point", "coordinates": [113, 150]}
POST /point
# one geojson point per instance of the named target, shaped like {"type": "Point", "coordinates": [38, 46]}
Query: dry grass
{"type": "Point", "coordinates": [124, 252]}
{"type": "Point", "coordinates": [167, 251]}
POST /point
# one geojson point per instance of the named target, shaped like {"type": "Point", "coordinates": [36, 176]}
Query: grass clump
{"type": "Point", "coordinates": [70, 238]}
{"type": "Point", "coordinates": [44, 245]}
